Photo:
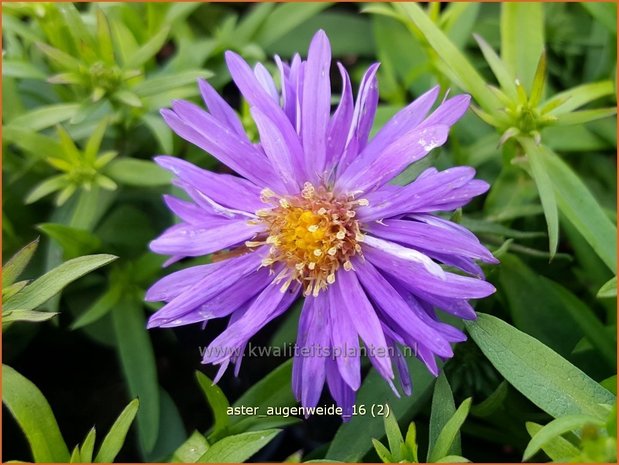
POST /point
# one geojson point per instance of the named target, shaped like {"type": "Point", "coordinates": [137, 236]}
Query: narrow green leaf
{"type": "Point", "coordinates": [452, 57]}
{"type": "Point", "coordinates": [31, 141]}
{"type": "Point", "coordinates": [128, 98]}
{"type": "Point", "coordinates": [52, 282]}
{"type": "Point", "coordinates": [608, 290]}
{"type": "Point", "coordinates": [443, 408]}
{"type": "Point", "coordinates": [30, 316]}
{"type": "Point", "coordinates": [140, 173]}
{"type": "Point", "coordinates": [104, 38]}
{"type": "Point", "coordinates": [539, 373]}
{"type": "Point", "coordinates": [449, 432]}
{"type": "Point", "coordinates": [605, 13]}
{"type": "Point", "coordinates": [101, 307]}
{"type": "Point", "coordinates": [75, 455]}
{"type": "Point", "coordinates": [556, 428]}
{"type": "Point", "coordinates": [88, 446]}
{"type": "Point", "coordinates": [453, 459]}
{"type": "Point", "coordinates": [382, 452]}
{"type": "Point", "coordinates": [353, 439]}
{"type": "Point", "coordinates": [580, 207]}
{"type": "Point", "coordinates": [394, 436]}
{"type": "Point", "coordinates": [18, 262]}
{"type": "Point", "coordinates": [62, 59]}
{"type": "Point", "coordinates": [505, 78]}
{"type": "Point", "coordinates": [546, 192]}
{"type": "Point", "coordinates": [115, 438]}
{"type": "Point", "coordinates": [492, 403]}
{"type": "Point", "coordinates": [149, 49]}
{"type": "Point", "coordinates": [558, 449]}
{"type": "Point", "coordinates": [285, 18]}
{"type": "Point", "coordinates": [163, 83]}
{"type": "Point", "coordinates": [584, 116]}
{"type": "Point", "coordinates": [539, 79]}
{"type": "Point", "coordinates": [21, 70]}
{"type": "Point", "coordinates": [160, 131]}
{"type": "Point", "coordinates": [238, 448]}
{"type": "Point", "coordinates": [45, 117]}
{"type": "Point", "coordinates": [576, 97]}
{"type": "Point", "coordinates": [34, 416]}
{"type": "Point", "coordinates": [138, 364]}
{"type": "Point", "coordinates": [13, 289]}
{"type": "Point", "coordinates": [94, 141]}
{"type": "Point", "coordinates": [74, 241]}
{"type": "Point", "coordinates": [192, 449]}
{"type": "Point", "coordinates": [519, 49]}
{"type": "Point", "coordinates": [217, 401]}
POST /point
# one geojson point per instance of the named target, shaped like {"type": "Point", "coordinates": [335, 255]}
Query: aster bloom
{"type": "Point", "coordinates": [311, 213]}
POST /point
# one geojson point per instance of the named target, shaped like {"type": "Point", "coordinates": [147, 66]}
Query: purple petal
{"type": "Point", "coordinates": [366, 173]}
{"type": "Point", "coordinates": [220, 109]}
{"type": "Point", "coordinates": [363, 117]}
{"type": "Point", "coordinates": [315, 339]}
{"type": "Point", "coordinates": [196, 240]}
{"type": "Point", "coordinates": [316, 105]}
{"type": "Point", "coordinates": [448, 112]}
{"type": "Point", "coordinates": [198, 127]}
{"type": "Point", "coordinates": [351, 298]}
{"type": "Point", "coordinates": [269, 304]}
{"type": "Point", "coordinates": [345, 343]}
{"type": "Point", "coordinates": [284, 153]}
{"type": "Point", "coordinates": [418, 278]}
{"type": "Point", "coordinates": [392, 304]}
{"type": "Point", "coordinates": [428, 237]}
{"type": "Point", "coordinates": [217, 278]}
{"type": "Point", "coordinates": [341, 392]}
{"type": "Point", "coordinates": [266, 81]}
{"type": "Point", "coordinates": [225, 189]}
{"type": "Point", "coordinates": [425, 190]}
{"type": "Point", "coordinates": [339, 125]}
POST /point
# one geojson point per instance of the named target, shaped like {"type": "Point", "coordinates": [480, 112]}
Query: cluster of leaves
{"type": "Point", "coordinates": [81, 87]}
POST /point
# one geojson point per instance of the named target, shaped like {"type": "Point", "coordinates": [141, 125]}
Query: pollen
{"type": "Point", "coordinates": [313, 234]}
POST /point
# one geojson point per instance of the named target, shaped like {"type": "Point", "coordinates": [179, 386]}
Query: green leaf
{"type": "Point", "coordinates": [149, 49]}
{"type": "Point", "coordinates": [160, 131]}
{"type": "Point", "coordinates": [138, 364]}
{"type": "Point", "coordinates": [88, 446]}
{"type": "Point", "coordinates": [163, 83]}
{"type": "Point", "coordinates": [285, 18]}
{"type": "Point", "coordinates": [30, 316]}
{"type": "Point", "coordinates": [558, 449]}
{"type": "Point", "coordinates": [115, 438]}
{"type": "Point", "coordinates": [394, 436]}
{"type": "Point", "coordinates": [217, 401]}
{"type": "Point", "coordinates": [576, 97]}
{"type": "Point", "coordinates": [74, 241]}
{"type": "Point", "coordinates": [17, 263]}
{"type": "Point", "coordinates": [52, 282]}
{"type": "Point", "coordinates": [556, 428]}
{"type": "Point", "coordinates": [45, 117]}
{"type": "Point", "coordinates": [492, 403]}
{"type": "Point", "coordinates": [21, 70]}
{"type": "Point", "coordinates": [140, 173]}
{"type": "Point", "coordinates": [104, 38]}
{"type": "Point", "coordinates": [453, 459]}
{"type": "Point", "coordinates": [584, 116]}
{"type": "Point", "coordinates": [539, 80]}
{"type": "Point", "coordinates": [128, 98]}
{"type": "Point", "coordinates": [34, 416]}
{"type": "Point", "coordinates": [382, 452]}
{"type": "Point", "coordinates": [353, 439]}
{"type": "Point", "coordinates": [192, 449]}
{"type": "Point", "coordinates": [31, 141]}
{"type": "Point", "coordinates": [540, 374]}
{"type": "Point", "coordinates": [238, 448]}
{"type": "Point", "coordinates": [545, 189]}
{"type": "Point", "coordinates": [75, 455]}
{"type": "Point", "coordinates": [519, 49]}
{"type": "Point", "coordinates": [452, 57]}
{"type": "Point", "coordinates": [443, 408]}
{"type": "Point", "coordinates": [449, 433]}
{"type": "Point", "coordinates": [503, 75]}
{"type": "Point", "coordinates": [580, 207]}
{"type": "Point", "coordinates": [273, 390]}
{"type": "Point", "coordinates": [608, 290]}
{"type": "Point", "coordinates": [101, 307]}
{"type": "Point", "coordinates": [13, 289]}
{"type": "Point", "coordinates": [605, 13]}
{"type": "Point", "coordinates": [62, 59]}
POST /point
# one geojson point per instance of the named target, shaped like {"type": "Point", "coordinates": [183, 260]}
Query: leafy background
{"type": "Point", "coordinates": [82, 85]}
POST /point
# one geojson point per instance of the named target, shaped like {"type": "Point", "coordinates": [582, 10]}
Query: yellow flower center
{"type": "Point", "coordinates": [313, 234]}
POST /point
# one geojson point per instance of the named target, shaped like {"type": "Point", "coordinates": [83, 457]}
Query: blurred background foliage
{"type": "Point", "coordinates": [82, 85]}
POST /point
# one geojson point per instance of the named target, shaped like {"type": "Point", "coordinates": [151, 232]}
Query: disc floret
{"type": "Point", "coordinates": [313, 234]}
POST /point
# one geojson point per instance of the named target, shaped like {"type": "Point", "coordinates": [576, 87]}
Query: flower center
{"type": "Point", "coordinates": [313, 234]}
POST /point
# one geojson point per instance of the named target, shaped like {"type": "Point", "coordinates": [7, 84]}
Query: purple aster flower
{"type": "Point", "coordinates": [311, 213]}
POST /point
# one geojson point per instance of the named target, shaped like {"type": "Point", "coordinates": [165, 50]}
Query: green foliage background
{"type": "Point", "coordinates": [82, 85]}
